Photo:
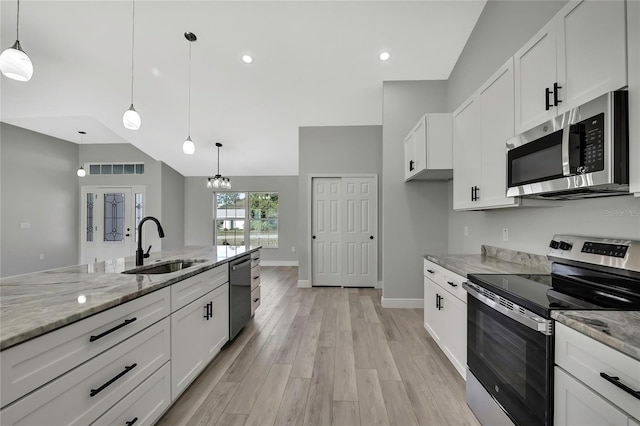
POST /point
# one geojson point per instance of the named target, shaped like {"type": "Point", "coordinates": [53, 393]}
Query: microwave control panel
{"type": "Point", "coordinates": [586, 140]}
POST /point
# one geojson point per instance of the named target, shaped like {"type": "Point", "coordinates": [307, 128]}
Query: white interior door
{"type": "Point", "coordinates": [108, 217]}
{"type": "Point", "coordinates": [325, 232]}
{"type": "Point", "coordinates": [359, 229]}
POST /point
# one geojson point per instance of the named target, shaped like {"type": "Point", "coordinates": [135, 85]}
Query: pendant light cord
{"type": "Point", "coordinates": [18, 22]}
{"type": "Point", "coordinates": [189, 125]}
{"type": "Point", "coordinates": [218, 161]}
{"type": "Point", "coordinates": [133, 40]}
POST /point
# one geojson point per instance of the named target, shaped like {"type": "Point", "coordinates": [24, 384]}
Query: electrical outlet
{"type": "Point", "coordinates": [505, 234]}
{"type": "Point", "coordinates": [25, 225]}
{"type": "Point", "coordinates": [41, 256]}
{"type": "Point", "coordinates": [466, 231]}
{"type": "Point", "coordinates": [293, 249]}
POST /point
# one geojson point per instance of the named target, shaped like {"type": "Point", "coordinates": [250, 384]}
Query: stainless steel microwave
{"type": "Point", "coordinates": [579, 154]}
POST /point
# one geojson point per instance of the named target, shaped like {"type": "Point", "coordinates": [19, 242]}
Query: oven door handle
{"type": "Point", "coordinates": [521, 315]}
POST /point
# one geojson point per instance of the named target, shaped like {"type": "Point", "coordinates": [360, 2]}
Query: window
{"type": "Point", "coordinates": [246, 218]}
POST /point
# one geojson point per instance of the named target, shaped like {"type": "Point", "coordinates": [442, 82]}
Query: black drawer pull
{"type": "Point", "coordinates": [452, 284]}
{"type": "Point", "coordinates": [430, 271]}
{"type": "Point", "coordinates": [117, 327]}
{"type": "Point", "coordinates": [131, 422]}
{"type": "Point", "coordinates": [255, 278]}
{"type": "Point", "coordinates": [128, 368]}
{"type": "Point", "coordinates": [616, 381]}
{"type": "Point", "coordinates": [255, 300]}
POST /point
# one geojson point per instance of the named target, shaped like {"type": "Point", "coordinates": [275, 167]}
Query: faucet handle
{"type": "Point", "coordinates": [147, 253]}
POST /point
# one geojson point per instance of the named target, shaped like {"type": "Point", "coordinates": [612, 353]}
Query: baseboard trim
{"type": "Point", "coordinates": [402, 303]}
{"type": "Point", "coordinates": [380, 284]}
{"type": "Point", "coordinates": [278, 262]}
{"type": "Point", "coordinates": [304, 284]}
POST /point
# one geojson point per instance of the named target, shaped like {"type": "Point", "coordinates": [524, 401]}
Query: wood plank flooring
{"type": "Point", "coordinates": [325, 356]}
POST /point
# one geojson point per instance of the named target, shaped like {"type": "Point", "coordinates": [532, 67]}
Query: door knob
{"type": "Point", "coordinates": [314, 237]}
{"type": "Point", "coordinates": [371, 237]}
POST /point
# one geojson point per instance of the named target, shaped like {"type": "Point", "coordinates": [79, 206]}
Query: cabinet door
{"type": "Point", "coordinates": [591, 42]}
{"type": "Point", "coordinates": [576, 404]}
{"type": "Point", "coordinates": [216, 328]}
{"type": "Point", "coordinates": [535, 71]}
{"type": "Point", "coordinates": [434, 321]}
{"type": "Point", "coordinates": [497, 124]}
{"type": "Point", "coordinates": [410, 161]}
{"type": "Point", "coordinates": [187, 345]}
{"type": "Point", "coordinates": [455, 317]}
{"type": "Point", "coordinates": [438, 141]}
{"type": "Point", "coordinates": [467, 153]}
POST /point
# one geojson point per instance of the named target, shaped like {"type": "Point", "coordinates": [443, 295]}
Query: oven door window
{"type": "Point", "coordinates": [512, 362]}
{"type": "Point", "coordinates": [536, 161]}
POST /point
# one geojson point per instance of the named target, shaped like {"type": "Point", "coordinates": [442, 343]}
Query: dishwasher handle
{"type": "Point", "coordinates": [238, 265]}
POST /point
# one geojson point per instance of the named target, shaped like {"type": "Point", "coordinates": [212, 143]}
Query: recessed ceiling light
{"type": "Point", "coordinates": [384, 56]}
{"type": "Point", "coordinates": [247, 59]}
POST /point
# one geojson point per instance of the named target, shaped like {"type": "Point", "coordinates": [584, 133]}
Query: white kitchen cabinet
{"type": "Point", "coordinates": [428, 148]}
{"type": "Point", "coordinates": [482, 126]}
{"type": "Point", "coordinates": [633, 48]}
{"type": "Point", "coordinates": [445, 313]}
{"type": "Point", "coordinates": [198, 331]}
{"type": "Point", "coordinates": [579, 55]}
{"type": "Point", "coordinates": [255, 281]}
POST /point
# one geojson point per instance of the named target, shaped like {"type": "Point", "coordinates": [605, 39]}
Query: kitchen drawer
{"type": "Point", "coordinates": [446, 279]}
{"type": "Point", "coordinates": [255, 262]}
{"type": "Point", "coordinates": [585, 358]}
{"type": "Point", "coordinates": [186, 291]}
{"type": "Point", "coordinates": [144, 404]}
{"type": "Point", "coordinates": [109, 377]}
{"type": "Point", "coordinates": [255, 277]}
{"type": "Point", "coordinates": [32, 364]}
{"type": "Point", "coordinates": [255, 299]}
{"type": "Point", "coordinates": [255, 255]}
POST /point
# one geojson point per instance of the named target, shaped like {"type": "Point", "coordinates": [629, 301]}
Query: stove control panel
{"type": "Point", "coordinates": [602, 249]}
{"type": "Point", "coordinates": [562, 245]}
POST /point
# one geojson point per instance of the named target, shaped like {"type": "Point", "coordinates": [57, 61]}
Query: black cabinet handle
{"type": "Point", "coordinates": [132, 421]}
{"type": "Point", "coordinates": [472, 193]}
{"type": "Point", "coordinates": [547, 95]}
{"type": "Point", "coordinates": [452, 284]}
{"type": "Point", "coordinates": [128, 368]}
{"type": "Point", "coordinates": [477, 193]}
{"type": "Point", "coordinates": [437, 301]}
{"type": "Point", "coordinates": [556, 101]}
{"type": "Point", "coordinates": [206, 312]}
{"type": "Point", "coordinates": [411, 167]}
{"type": "Point", "coordinates": [210, 309]}
{"type": "Point", "coordinates": [256, 277]}
{"type": "Point", "coordinates": [117, 327]}
{"type": "Point", "coordinates": [430, 271]}
{"type": "Point", "coordinates": [256, 300]}
{"type": "Point", "coordinates": [616, 381]}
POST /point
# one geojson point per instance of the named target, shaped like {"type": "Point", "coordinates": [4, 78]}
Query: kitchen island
{"type": "Point", "coordinates": [101, 342]}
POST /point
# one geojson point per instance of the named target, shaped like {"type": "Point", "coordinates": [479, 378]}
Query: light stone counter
{"type": "Point", "coordinates": [36, 303]}
{"type": "Point", "coordinates": [617, 329]}
{"type": "Point", "coordinates": [493, 260]}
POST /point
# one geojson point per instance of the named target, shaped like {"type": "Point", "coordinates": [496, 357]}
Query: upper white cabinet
{"type": "Point", "coordinates": [481, 128]}
{"type": "Point", "coordinates": [633, 29]}
{"type": "Point", "coordinates": [579, 55]}
{"type": "Point", "coordinates": [427, 149]}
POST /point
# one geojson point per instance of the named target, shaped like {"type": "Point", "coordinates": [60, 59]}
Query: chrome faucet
{"type": "Point", "coordinates": [139, 252]}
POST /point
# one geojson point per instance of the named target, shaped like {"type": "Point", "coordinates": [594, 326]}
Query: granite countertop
{"type": "Point", "coordinates": [617, 329]}
{"type": "Point", "coordinates": [493, 260]}
{"type": "Point", "coordinates": [36, 303]}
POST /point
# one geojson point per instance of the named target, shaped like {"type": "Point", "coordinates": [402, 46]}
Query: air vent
{"type": "Point", "coordinates": [506, 303]}
{"type": "Point", "coordinates": [488, 294]}
{"type": "Point", "coordinates": [522, 310]}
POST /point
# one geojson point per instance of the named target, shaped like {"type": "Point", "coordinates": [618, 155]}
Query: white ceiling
{"type": "Point", "coordinates": [315, 65]}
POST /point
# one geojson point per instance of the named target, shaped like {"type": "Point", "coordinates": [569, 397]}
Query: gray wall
{"type": "Point", "coordinates": [39, 185]}
{"type": "Point", "coordinates": [172, 202]}
{"type": "Point", "coordinates": [503, 27]}
{"type": "Point", "coordinates": [151, 179]}
{"type": "Point", "coordinates": [414, 213]}
{"type": "Point", "coordinates": [198, 211]}
{"type": "Point", "coordinates": [339, 150]}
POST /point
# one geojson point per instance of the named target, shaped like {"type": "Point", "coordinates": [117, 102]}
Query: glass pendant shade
{"type": "Point", "coordinates": [218, 182]}
{"type": "Point", "coordinates": [131, 119]}
{"type": "Point", "coordinates": [15, 64]}
{"type": "Point", "coordinates": [188, 147]}
{"type": "Point", "coordinates": [81, 172]}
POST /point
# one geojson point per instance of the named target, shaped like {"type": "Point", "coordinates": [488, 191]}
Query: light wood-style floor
{"type": "Point", "coordinates": [325, 356]}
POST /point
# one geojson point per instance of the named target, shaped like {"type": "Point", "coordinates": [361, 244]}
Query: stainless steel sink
{"type": "Point", "coordinates": [165, 267]}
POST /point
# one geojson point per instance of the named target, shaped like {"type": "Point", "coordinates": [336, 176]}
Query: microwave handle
{"type": "Point", "coordinates": [566, 160]}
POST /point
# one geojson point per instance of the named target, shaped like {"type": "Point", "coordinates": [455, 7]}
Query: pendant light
{"type": "Point", "coordinates": [131, 118]}
{"type": "Point", "coordinates": [14, 62]}
{"type": "Point", "coordinates": [188, 147]}
{"type": "Point", "coordinates": [81, 171]}
{"type": "Point", "coordinates": [218, 182]}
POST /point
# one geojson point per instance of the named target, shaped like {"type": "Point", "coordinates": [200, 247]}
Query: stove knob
{"type": "Point", "coordinates": [565, 246]}
{"type": "Point", "coordinates": [554, 244]}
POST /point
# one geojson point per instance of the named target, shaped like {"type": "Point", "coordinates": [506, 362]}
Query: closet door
{"type": "Point", "coordinates": [325, 231]}
{"type": "Point", "coordinates": [359, 232]}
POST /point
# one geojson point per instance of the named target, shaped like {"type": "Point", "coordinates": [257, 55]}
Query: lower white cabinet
{"type": "Point", "coordinates": [83, 394]}
{"type": "Point", "coordinates": [198, 332]}
{"type": "Point", "coordinates": [145, 404]}
{"type": "Point", "coordinates": [445, 313]}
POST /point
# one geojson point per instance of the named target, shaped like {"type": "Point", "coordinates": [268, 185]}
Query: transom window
{"type": "Point", "coordinates": [246, 218]}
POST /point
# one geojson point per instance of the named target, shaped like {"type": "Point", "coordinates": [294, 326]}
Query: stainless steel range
{"type": "Point", "coordinates": [510, 330]}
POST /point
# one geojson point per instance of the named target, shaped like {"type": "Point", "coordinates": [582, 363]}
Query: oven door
{"type": "Point", "coordinates": [512, 361]}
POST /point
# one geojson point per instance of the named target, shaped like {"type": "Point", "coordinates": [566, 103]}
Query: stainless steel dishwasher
{"type": "Point", "coordinates": [240, 294]}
